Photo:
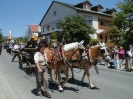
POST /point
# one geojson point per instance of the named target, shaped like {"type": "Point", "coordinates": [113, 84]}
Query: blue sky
{"type": "Point", "coordinates": [15, 12]}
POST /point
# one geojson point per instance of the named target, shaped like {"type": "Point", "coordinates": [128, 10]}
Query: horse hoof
{"type": "Point", "coordinates": [61, 91]}
{"type": "Point", "coordinates": [93, 87]}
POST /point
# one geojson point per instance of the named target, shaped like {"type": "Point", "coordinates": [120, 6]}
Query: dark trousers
{"type": "Point", "coordinates": [0, 52]}
{"type": "Point", "coordinates": [42, 77]}
{"type": "Point", "coordinates": [15, 54]}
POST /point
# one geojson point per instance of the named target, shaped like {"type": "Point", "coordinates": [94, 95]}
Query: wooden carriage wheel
{"type": "Point", "coordinates": [20, 60]}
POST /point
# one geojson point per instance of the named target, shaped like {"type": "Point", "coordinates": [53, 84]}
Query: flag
{"type": "Point", "coordinates": [10, 34]}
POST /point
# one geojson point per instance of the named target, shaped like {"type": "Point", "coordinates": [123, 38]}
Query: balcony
{"type": "Point", "coordinates": [104, 27]}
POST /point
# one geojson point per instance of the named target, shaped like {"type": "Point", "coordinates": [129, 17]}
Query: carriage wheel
{"type": "Point", "coordinates": [20, 62]}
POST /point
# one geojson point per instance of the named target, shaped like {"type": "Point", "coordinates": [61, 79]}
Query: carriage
{"type": "Point", "coordinates": [26, 56]}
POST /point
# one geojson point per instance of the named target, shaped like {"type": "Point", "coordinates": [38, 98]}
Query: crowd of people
{"type": "Point", "coordinates": [121, 59]}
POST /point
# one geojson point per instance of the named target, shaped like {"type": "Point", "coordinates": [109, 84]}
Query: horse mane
{"type": "Point", "coordinates": [70, 46]}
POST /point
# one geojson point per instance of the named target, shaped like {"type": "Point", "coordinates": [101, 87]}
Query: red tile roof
{"type": "Point", "coordinates": [34, 28]}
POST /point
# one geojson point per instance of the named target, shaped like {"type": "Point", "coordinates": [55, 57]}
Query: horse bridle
{"type": "Point", "coordinates": [104, 56]}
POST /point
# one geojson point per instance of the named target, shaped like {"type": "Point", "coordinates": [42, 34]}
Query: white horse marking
{"type": "Point", "coordinates": [70, 46]}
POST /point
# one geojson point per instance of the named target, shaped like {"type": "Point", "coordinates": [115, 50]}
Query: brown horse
{"type": "Point", "coordinates": [58, 65]}
{"type": "Point", "coordinates": [93, 53]}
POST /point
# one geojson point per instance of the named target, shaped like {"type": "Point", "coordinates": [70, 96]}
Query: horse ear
{"type": "Point", "coordinates": [100, 44]}
{"type": "Point", "coordinates": [81, 43]}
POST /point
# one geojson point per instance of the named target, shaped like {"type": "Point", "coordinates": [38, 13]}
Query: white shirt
{"type": "Point", "coordinates": [16, 47]}
{"type": "Point", "coordinates": [41, 59]}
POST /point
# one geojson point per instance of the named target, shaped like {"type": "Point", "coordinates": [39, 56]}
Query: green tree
{"type": "Point", "coordinates": [1, 38]}
{"type": "Point", "coordinates": [122, 25]}
{"type": "Point", "coordinates": [75, 29]}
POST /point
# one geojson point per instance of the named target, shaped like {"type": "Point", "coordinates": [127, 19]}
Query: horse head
{"type": "Point", "coordinates": [104, 52]}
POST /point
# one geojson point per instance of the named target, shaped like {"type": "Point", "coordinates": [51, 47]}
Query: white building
{"type": "Point", "coordinates": [33, 30]}
{"type": "Point", "coordinates": [95, 16]}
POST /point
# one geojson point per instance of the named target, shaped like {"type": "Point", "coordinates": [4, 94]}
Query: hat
{"type": "Point", "coordinates": [43, 37]}
{"type": "Point", "coordinates": [32, 36]}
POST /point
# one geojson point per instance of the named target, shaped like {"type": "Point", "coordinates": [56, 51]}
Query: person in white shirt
{"type": "Point", "coordinates": [16, 50]}
{"type": "Point", "coordinates": [40, 59]}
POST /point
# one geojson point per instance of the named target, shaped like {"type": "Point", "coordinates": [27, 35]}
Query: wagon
{"type": "Point", "coordinates": [26, 56]}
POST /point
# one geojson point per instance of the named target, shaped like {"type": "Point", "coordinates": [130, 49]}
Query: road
{"type": "Point", "coordinates": [111, 84]}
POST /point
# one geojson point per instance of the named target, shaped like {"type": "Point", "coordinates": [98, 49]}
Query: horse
{"type": "Point", "coordinates": [63, 65]}
{"type": "Point", "coordinates": [93, 53]}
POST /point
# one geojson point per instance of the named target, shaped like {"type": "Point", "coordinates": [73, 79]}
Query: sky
{"type": "Point", "coordinates": [17, 14]}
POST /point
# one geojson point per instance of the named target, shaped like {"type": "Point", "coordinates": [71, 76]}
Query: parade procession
{"type": "Point", "coordinates": [79, 50]}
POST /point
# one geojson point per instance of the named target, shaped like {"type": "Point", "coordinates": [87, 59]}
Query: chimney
{"type": "Point", "coordinates": [107, 8]}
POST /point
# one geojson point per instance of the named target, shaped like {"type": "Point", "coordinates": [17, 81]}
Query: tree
{"type": "Point", "coordinates": [1, 38]}
{"type": "Point", "coordinates": [122, 25]}
{"type": "Point", "coordinates": [75, 29]}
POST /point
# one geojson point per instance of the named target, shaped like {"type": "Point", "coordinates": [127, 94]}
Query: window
{"type": "Point", "coordinates": [57, 25]}
{"type": "Point", "coordinates": [90, 22]}
{"type": "Point", "coordinates": [99, 9]}
{"type": "Point", "coordinates": [101, 23]}
{"type": "Point", "coordinates": [54, 14]}
{"type": "Point", "coordinates": [44, 29]}
{"type": "Point", "coordinates": [101, 37]}
{"type": "Point", "coordinates": [48, 28]}
{"type": "Point", "coordinates": [84, 6]}
{"type": "Point", "coordinates": [88, 7]}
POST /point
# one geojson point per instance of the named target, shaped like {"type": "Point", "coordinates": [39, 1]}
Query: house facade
{"type": "Point", "coordinates": [94, 15]}
{"type": "Point", "coordinates": [33, 30]}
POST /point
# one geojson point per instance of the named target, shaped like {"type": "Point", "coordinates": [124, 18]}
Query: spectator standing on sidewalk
{"type": "Point", "coordinates": [115, 57]}
{"type": "Point", "coordinates": [121, 57]}
{"type": "Point", "coordinates": [128, 61]}
{"type": "Point", "coordinates": [0, 48]}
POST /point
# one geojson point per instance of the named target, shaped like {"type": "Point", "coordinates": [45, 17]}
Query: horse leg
{"type": "Point", "coordinates": [50, 73]}
{"type": "Point", "coordinates": [59, 82]}
{"type": "Point", "coordinates": [72, 72]}
{"type": "Point", "coordinates": [66, 72]}
{"type": "Point", "coordinates": [89, 78]}
{"type": "Point", "coordinates": [82, 80]}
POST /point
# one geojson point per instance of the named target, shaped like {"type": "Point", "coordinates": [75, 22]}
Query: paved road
{"type": "Point", "coordinates": [112, 84]}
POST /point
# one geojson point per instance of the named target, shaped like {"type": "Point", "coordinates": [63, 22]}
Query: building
{"type": "Point", "coordinates": [94, 15]}
{"type": "Point", "coordinates": [33, 30]}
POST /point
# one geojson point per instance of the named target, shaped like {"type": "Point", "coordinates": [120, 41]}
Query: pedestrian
{"type": "Point", "coordinates": [115, 57]}
{"type": "Point", "coordinates": [43, 40]}
{"type": "Point", "coordinates": [16, 50]}
{"type": "Point", "coordinates": [128, 61]}
{"type": "Point", "coordinates": [121, 57]}
{"type": "Point", "coordinates": [0, 48]}
{"type": "Point", "coordinates": [32, 43]}
{"type": "Point", "coordinates": [40, 59]}
{"type": "Point", "coordinates": [10, 47]}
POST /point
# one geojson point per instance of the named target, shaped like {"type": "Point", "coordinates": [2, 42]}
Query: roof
{"type": "Point", "coordinates": [104, 32]}
{"type": "Point", "coordinates": [84, 2]}
{"type": "Point", "coordinates": [97, 6]}
{"type": "Point", "coordinates": [109, 10]}
{"type": "Point", "coordinates": [34, 28]}
{"type": "Point", "coordinates": [76, 8]}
